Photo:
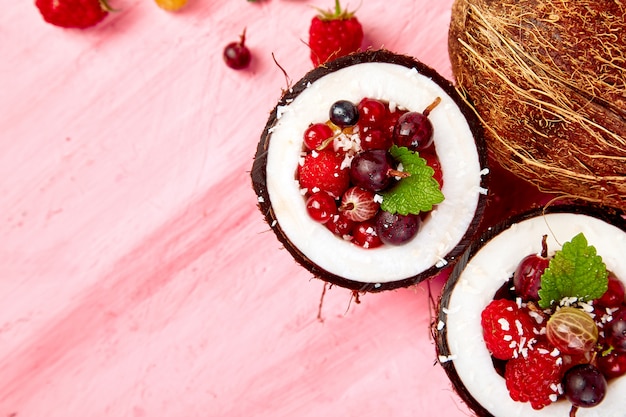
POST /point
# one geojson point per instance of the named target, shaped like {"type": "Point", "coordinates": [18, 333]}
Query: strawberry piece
{"type": "Point", "coordinates": [79, 14]}
{"type": "Point", "coordinates": [507, 329]}
{"type": "Point", "coordinates": [535, 377]}
{"type": "Point", "coordinates": [322, 171]}
{"type": "Point", "coordinates": [333, 34]}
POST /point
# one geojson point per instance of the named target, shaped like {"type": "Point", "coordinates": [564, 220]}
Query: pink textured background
{"type": "Point", "coordinates": [137, 277]}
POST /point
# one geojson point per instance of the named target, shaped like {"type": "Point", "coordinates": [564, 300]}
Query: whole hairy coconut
{"type": "Point", "coordinates": [548, 80]}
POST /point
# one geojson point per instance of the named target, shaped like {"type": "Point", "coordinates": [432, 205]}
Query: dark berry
{"type": "Point", "coordinates": [396, 229]}
{"type": "Point", "coordinates": [584, 385]}
{"type": "Point", "coordinates": [370, 169]}
{"type": "Point", "coordinates": [414, 131]}
{"type": "Point", "coordinates": [236, 54]}
{"type": "Point", "coordinates": [343, 113]}
{"type": "Point", "coordinates": [527, 275]}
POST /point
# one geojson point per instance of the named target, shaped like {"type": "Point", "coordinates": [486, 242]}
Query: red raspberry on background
{"type": "Point", "coordinates": [79, 14]}
{"type": "Point", "coordinates": [333, 34]}
{"type": "Point", "coordinates": [507, 329]}
{"type": "Point", "coordinates": [322, 170]}
{"type": "Point", "coordinates": [535, 378]}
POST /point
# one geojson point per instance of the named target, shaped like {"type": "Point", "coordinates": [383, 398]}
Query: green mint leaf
{"type": "Point", "coordinates": [574, 271]}
{"type": "Point", "coordinates": [415, 193]}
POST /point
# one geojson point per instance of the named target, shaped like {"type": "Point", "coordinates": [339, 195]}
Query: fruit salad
{"type": "Point", "coordinates": [556, 328]}
{"type": "Point", "coordinates": [370, 172]}
{"type": "Point", "coordinates": [534, 323]}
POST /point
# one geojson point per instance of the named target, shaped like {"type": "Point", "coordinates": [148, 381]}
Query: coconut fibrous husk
{"type": "Point", "coordinates": [548, 81]}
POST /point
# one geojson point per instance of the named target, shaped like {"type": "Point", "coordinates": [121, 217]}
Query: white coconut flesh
{"type": "Point", "coordinates": [455, 147]}
{"type": "Point", "coordinates": [486, 272]}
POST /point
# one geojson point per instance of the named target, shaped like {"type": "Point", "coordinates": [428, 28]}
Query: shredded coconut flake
{"type": "Point", "coordinates": [280, 110]}
{"type": "Point", "coordinates": [444, 359]}
{"type": "Point", "coordinates": [441, 263]}
{"type": "Point", "coordinates": [504, 324]}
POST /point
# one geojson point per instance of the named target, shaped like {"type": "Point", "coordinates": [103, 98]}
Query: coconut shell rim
{"type": "Point", "coordinates": [258, 174]}
{"type": "Point", "coordinates": [610, 215]}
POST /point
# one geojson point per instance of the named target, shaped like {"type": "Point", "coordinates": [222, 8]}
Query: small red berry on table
{"type": "Point", "coordinates": [236, 54]}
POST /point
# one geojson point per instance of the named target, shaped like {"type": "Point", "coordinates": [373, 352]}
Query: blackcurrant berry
{"type": "Point", "coordinates": [343, 113]}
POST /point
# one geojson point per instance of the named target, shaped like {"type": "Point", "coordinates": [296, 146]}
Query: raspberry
{"type": "Point", "coordinates": [507, 329]}
{"type": "Point", "coordinates": [73, 13]}
{"type": "Point", "coordinates": [535, 377]}
{"type": "Point", "coordinates": [322, 170]}
{"type": "Point", "coordinates": [333, 34]}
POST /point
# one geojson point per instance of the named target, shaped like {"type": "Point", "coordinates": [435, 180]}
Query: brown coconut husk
{"type": "Point", "coordinates": [548, 80]}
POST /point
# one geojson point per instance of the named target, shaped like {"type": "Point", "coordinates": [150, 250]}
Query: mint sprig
{"type": "Point", "coordinates": [415, 193]}
{"type": "Point", "coordinates": [574, 271]}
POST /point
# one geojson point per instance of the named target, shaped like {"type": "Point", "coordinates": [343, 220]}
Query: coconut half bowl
{"type": "Point", "coordinates": [445, 233]}
{"type": "Point", "coordinates": [488, 265]}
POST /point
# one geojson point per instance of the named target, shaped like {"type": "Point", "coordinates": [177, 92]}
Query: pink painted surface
{"type": "Point", "coordinates": [137, 277]}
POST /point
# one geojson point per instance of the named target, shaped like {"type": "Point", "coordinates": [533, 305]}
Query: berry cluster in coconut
{"type": "Point", "coordinates": [534, 323]}
{"type": "Point", "coordinates": [370, 173]}
{"type": "Point", "coordinates": [288, 170]}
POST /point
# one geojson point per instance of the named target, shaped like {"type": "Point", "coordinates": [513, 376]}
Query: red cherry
{"type": "Point", "coordinates": [340, 225]}
{"type": "Point", "coordinates": [321, 206]}
{"type": "Point", "coordinates": [612, 364]}
{"type": "Point", "coordinates": [317, 136]}
{"type": "Point", "coordinates": [614, 295]}
{"type": "Point", "coordinates": [375, 139]}
{"type": "Point", "coordinates": [365, 235]}
{"type": "Point", "coordinates": [527, 275]}
{"type": "Point", "coordinates": [371, 112]}
{"type": "Point", "coordinates": [615, 331]}
{"type": "Point", "coordinates": [392, 119]}
{"type": "Point", "coordinates": [236, 54]}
